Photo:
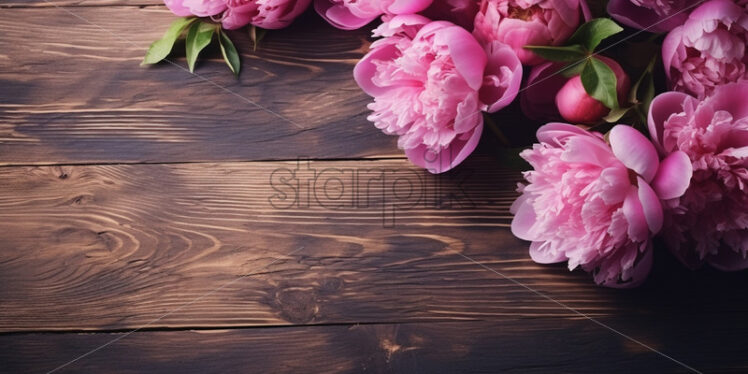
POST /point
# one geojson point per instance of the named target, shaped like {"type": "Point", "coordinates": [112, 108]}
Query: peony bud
{"type": "Point", "coordinates": [576, 106]}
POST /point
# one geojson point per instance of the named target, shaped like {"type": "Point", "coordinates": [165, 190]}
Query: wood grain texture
{"type": "Point", "coordinates": [73, 92]}
{"type": "Point", "coordinates": [76, 3]}
{"type": "Point", "coordinates": [134, 242]}
{"type": "Point", "coordinates": [510, 345]}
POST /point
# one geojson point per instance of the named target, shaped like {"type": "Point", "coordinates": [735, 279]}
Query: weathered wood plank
{"type": "Point", "coordinates": [527, 346]}
{"type": "Point", "coordinates": [116, 247]}
{"type": "Point", "coordinates": [76, 3]}
{"type": "Point", "coordinates": [73, 92]}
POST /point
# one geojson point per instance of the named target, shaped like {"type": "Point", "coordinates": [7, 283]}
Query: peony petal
{"type": "Point", "coordinates": [540, 253]}
{"type": "Point", "coordinates": [728, 260]}
{"type": "Point", "coordinates": [176, 7]}
{"type": "Point", "coordinates": [447, 158]}
{"type": "Point", "coordinates": [732, 97]}
{"type": "Point", "coordinates": [636, 275]}
{"type": "Point", "coordinates": [674, 176]}
{"type": "Point", "coordinates": [651, 206]}
{"type": "Point", "coordinates": [366, 69]}
{"type": "Point", "coordinates": [468, 56]}
{"type": "Point", "coordinates": [723, 10]}
{"type": "Point", "coordinates": [634, 150]}
{"type": "Point", "coordinates": [670, 47]}
{"type": "Point", "coordinates": [339, 16]}
{"type": "Point", "coordinates": [408, 6]}
{"type": "Point", "coordinates": [588, 150]}
{"type": "Point", "coordinates": [661, 108]}
{"type": "Point", "coordinates": [629, 14]}
{"type": "Point", "coordinates": [638, 229]}
{"type": "Point", "coordinates": [523, 221]}
{"type": "Point", "coordinates": [554, 132]}
{"type": "Point", "coordinates": [500, 55]}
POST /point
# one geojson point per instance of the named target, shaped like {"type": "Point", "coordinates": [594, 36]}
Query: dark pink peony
{"type": "Point", "coordinates": [430, 81]}
{"type": "Point", "coordinates": [651, 15]}
{"type": "Point", "coordinates": [460, 12]}
{"type": "Point", "coordinates": [233, 14]}
{"type": "Point", "coordinates": [596, 205]}
{"type": "Point", "coordinates": [518, 23]}
{"type": "Point", "coordinates": [708, 49]}
{"type": "Point", "coordinates": [268, 14]}
{"type": "Point", "coordinates": [200, 8]}
{"type": "Point", "coordinates": [354, 14]}
{"type": "Point", "coordinates": [710, 222]}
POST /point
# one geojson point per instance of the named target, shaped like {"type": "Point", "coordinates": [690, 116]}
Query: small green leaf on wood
{"type": "Point", "coordinates": [593, 32]}
{"type": "Point", "coordinates": [562, 54]}
{"type": "Point", "coordinates": [599, 81]}
{"type": "Point", "coordinates": [198, 37]}
{"type": "Point", "coordinates": [162, 47]}
{"type": "Point", "coordinates": [230, 55]}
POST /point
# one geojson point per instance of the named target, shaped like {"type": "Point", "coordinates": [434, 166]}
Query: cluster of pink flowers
{"type": "Point", "coordinates": [597, 202]}
{"type": "Point", "coordinates": [233, 14]}
{"type": "Point", "coordinates": [593, 200]}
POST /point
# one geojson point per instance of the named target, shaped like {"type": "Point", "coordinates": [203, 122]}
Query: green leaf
{"type": "Point", "coordinates": [600, 82]}
{"type": "Point", "coordinates": [230, 55]}
{"type": "Point", "coordinates": [643, 90]}
{"type": "Point", "coordinates": [198, 37]}
{"type": "Point", "coordinates": [573, 69]}
{"type": "Point", "coordinates": [562, 54]}
{"type": "Point", "coordinates": [616, 114]}
{"type": "Point", "coordinates": [593, 32]}
{"type": "Point", "coordinates": [162, 47]}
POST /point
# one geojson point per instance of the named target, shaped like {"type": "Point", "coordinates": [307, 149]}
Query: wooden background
{"type": "Point", "coordinates": [141, 199]}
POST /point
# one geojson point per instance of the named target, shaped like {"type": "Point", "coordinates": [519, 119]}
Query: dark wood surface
{"type": "Point", "coordinates": [143, 224]}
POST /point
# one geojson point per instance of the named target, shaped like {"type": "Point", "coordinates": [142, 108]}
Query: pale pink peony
{"type": "Point", "coordinates": [200, 8]}
{"type": "Point", "coordinates": [460, 12]}
{"type": "Point", "coordinates": [527, 22]}
{"type": "Point", "coordinates": [354, 14]}
{"type": "Point", "coordinates": [651, 15]}
{"type": "Point", "coordinates": [708, 49]}
{"type": "Point", "coordinates": [596, 205]}
{"type": "Point", "coordinates": [710, 222]}
{"type": "Point", "coordinates": [430, 81]}
{"type": "Point", "coordinates": [233, 14]}
{"type": "Point", "coordinates": [268, 14]}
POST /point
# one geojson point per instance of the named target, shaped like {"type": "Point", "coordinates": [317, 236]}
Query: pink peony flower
{"type": "Point", "coordinates": [651, 15]}
{"type": "Point", "coordinates": [550, 96]}
{"type": "Point", "coordinates": [354, 14]}
{"type": "Point", "coordinates": [527, 22]}
{"type": "Point", "coordinates": [268, 14]}
{"type": "Point", "coordinates": [596, 205]}
{"type": "Point", "coordinates": [708, 49]}
{"type": "Point", "coordinates": [200, 8]}
{"type": "Point", "coordinates": [460, 12]}
{"type": "Point", "coordinates": [430, 81]}
{"type": "Point", "coordinates": [710, 222]}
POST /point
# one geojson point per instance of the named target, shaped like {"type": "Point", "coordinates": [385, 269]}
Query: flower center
{"type": "Point", "coordinates": [524, 14]}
